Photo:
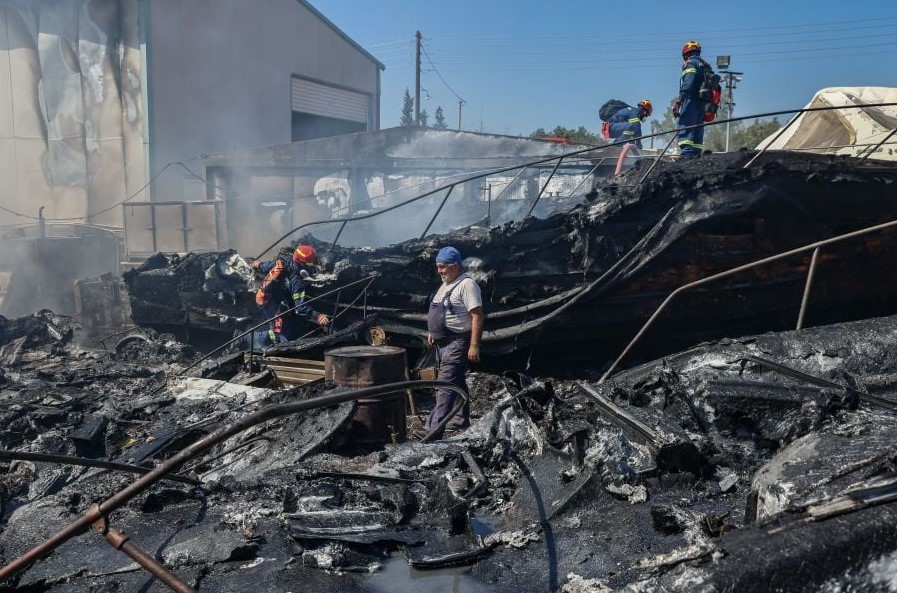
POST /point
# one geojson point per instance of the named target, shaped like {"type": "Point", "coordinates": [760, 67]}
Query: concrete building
{"type": "Point", "coordinates": [100, 97]}
{"type": "Point", "coordinates": [111, 101]}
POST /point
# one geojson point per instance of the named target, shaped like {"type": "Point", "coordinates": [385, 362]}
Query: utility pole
{"type": "Point", "coordinates": [655, 127]}
{"type": "Point", "coordinates": [461, 103]}
{"type": "Point", "coordinates": [732, 80]}
{"type": "Point", "coordinates": [417, 80]}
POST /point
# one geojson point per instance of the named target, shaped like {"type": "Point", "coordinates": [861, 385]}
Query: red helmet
{"type": "Point", "coordinates": [646, 106]}
{"type": "Point", "coordinates": [691, 47]}
{"type": "Point", "coordinates": [305, 254]}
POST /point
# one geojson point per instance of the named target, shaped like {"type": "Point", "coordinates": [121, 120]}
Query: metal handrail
{"type": "Point", "coordinates": [811, 273]}
{"type": "Point", "coordinates": [587, 175]}
{"type": "Point", "coordinates": [429, 193]}
{"type": "Point", "coordinates": [438, 210]}
{"type": "Point", "coordinates": [735, 270]}
{"type": "Point", "coordinates": [779, 133]}
{"type": "Point", "coordinates": [100, 510]}
{"type": "Point", "coordinates": [545, 185]}
{"type": "Point", "coordinates": [770, 143]}
{"type": "Point", "coordinates": [880, 144]}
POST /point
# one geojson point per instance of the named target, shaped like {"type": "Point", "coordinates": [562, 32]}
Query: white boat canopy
{"type": "Point", "coordinates": [852, 132]}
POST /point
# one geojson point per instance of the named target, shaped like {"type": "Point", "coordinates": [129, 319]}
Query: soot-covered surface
{"type": "Point", "coordinates": [571, 289]}
{"type": "Point", "coordinates": [766, 459]}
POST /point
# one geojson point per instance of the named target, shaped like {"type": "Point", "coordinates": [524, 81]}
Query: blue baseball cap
{"type": "Point", "coordinates": [448, 255]}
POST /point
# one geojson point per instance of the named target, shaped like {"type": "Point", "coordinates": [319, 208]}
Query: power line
{"type": "Point", "coordinates": [726, 33]}
{"type": "Point", "coordinates": [394, 51]}
{"type": "Point", "coordinates": [543, 67]}
{"type": "Point", "coordinates": [451, 90]}
{"type": "Point", "coordinates": [665, 48]}
{"type": "Point", "coordinates": [397, 41]}
{"type": "Point", "coordinates": [789, 54]}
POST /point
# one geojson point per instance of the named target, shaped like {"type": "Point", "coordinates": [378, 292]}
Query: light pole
{"type": "Point", "coordinates": [732, 80]}
{"type": "Point", "coordinates": [655, 128]}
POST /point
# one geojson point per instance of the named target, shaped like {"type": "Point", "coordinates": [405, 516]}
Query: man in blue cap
{"type": "Point", "coordinates": [455, 326]}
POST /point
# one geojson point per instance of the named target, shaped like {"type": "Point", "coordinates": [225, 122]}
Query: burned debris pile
{"type": "Point", "coordinates": [199, 291]}
{"type": "Point", "coordinates": [729, 464]}
{"type": "Point", "coordinates": [581, 282]}
{"type": "Point", "coordinates": [767, 458]}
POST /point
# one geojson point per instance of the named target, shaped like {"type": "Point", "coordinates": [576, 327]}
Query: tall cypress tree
{"type": "Point", "coordinates": [407, 118]}
{"type": "Point", "coordinates": [439, 123]}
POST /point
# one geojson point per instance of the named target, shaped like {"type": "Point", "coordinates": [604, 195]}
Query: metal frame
{"type": "Point", "coordinates": [185, 207]}
{"type": "Point", "coordinates": [810, 274]}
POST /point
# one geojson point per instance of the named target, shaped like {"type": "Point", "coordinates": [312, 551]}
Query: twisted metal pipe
{"type": "Point", "coordinates": [82, 524]}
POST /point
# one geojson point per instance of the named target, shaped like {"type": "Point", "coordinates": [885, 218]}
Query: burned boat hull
{"type": "Point", "coordinates": [575, 287]}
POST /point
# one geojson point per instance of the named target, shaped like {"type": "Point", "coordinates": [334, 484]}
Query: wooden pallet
{"type": "Point", "coordinates": [295, 371]}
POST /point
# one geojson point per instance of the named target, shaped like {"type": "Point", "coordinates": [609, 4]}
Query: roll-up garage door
{"type": "Point", "coordinates": [327, 101]}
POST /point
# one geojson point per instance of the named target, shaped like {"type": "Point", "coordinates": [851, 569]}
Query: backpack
{"type": "Point", "coordinates": [606, 111]}
{"type": "Point", "coordinates": [710, 92]}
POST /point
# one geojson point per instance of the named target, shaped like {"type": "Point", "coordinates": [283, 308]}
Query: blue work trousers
{"type": "Point", "coordinates": [691, 142]}
{"type": "Point", "coordinates": [451, 356]}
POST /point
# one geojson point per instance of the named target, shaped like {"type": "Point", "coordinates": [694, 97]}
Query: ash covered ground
{"type": "Point", "coordinates": [753, 463]}
{"type": "Point", "coordinates": [766, 459]}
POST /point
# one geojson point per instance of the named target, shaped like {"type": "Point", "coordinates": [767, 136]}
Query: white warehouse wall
{"type": "Point", "coordinates": [219, 76]}
{"type": "Point", "coordinates": [71, 138]}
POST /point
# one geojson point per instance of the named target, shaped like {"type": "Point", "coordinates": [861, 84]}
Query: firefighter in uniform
{"type": "Point", "coordinates": [283, 288]}
{"type": "Point", "coordinates": [689, 109]}
{"type": "Point", "coordinates": [626, 124]}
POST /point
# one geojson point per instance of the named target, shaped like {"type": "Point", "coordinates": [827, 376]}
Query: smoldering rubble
{"type": "Point", "coordinates": [760, 459]}
{"type": "Point", "coordinates": [732, 463]}
{"type": "Point", "coordinates": [569, 290]}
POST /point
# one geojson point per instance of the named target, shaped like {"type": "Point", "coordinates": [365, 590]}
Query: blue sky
{"type": "Point", "coordinates": [525, 64]}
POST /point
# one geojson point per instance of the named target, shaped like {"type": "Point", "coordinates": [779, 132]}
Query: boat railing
{"type": "Point", "coordinates": [811, 271]}
{"type": "Point", "coordinates": [580, 154]}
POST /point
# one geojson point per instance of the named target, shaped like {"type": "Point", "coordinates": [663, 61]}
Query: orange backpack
{"type": "Point", "coordinates": [261, 297]}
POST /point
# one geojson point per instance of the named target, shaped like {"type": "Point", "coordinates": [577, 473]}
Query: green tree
{"type": "Point", "coordinates": [579, 135]}
{"type": "Point", "coordinates": [440, 124]}
{"type": "Point", "coordinates": [407, 118]}
{"type": "Point", "coordinates": [667, 123]}
{"type": "Point", "coordinates": [754, 133]}
{"type": "Point", "coordinates": [742, 135]}
{"type": "Point", "coordinates": [424, 118]}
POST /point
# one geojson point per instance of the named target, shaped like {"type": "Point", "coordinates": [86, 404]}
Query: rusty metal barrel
{"type": "Point", "coordinates": [377, 420]}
